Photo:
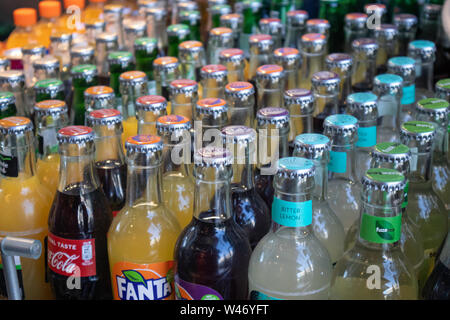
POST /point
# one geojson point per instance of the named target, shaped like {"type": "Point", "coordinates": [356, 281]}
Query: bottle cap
{"type": "Point", "coordinates": [312, 145]}
{"type": "Point", "coordinates": [365, 102]}
{"type": "Point", "coordinates": [423, 50]}
{"type": "Point", "coordinates": [15, 125]}
{"type": "Point", "coordinates": [325, 79]}
{"type": "Point", "coordinates": [135, 26]}
{"type": "Point", "coordinates": [132, 78]}
{"type": "Point", "coordinates": [420, 131]}
{"type": "Point", "coordinates": [145, 44]}
{"type": "Point", "coordinates": [189, 16]}
{"type": "Point", "coordinates": [383, 179]}
{"type": "Point", "coordinates": [187, 6]}
{"type": "Point", "coordinates": [49, 86]}
{"type": "Point", "coordinates": [48, 63]}
{"type": "Point", "coordinates": [165, 63]}
{"type": "Point", "coordinates": [183, 86]}
{"type": "Point", "coordinates": [178, 30]}
{"type": "Point", "coordinates": [341, 61]}
{"type": "Point", "coordinates": [231, 55]}
{"type": "Point", "coordinates": [366, 45]}
{"type": "Point", "coordinates": [270, 72]}
{"type": "Point", "coordinates": [82, 51]}
{"type": "Point", "coordinates": [405, 22]}
{"type": "Point", "coordinates": [144, 4]}
{"type": "Point", "coordinates": [388, 84]}
{"type": "Point", "coordinates": [238, 134]}
{"type": "Point", "coordinates": [213, 106]}
{"type": "Point", "coordinates": [32, 50]}
{"type": "Point", "coordinates": [143, 144]}
{"type": "Point", "coordinates": [12, 77]}
{"type": "Point", "coordinates": [239, 89]}
{"type": "Point", "coordinates": [50, 107]}
{"type": "Point", "coordinates": [261, 41]}
{"type": "Point", "coordinates": [104, 117]}
{"type": "Point", "coordinates": [378, 8]}
{"type": "Point", "coordinates": [157, 14]}
{"type": "Point", "coordinates": [297, 17]}
{"type": "Point", "coordinates": [433, 107]}
{"type": "Point", "coordinates": [316, 41]}
{"type": "Point", "coordinates": [84, 71]}
{"type": "Point", "coordinates": [151, 103]}
{"type": "Point", "coordinates": [49, 9]}
{"type": "Point", "coordinates": [220, 9]}
{"type": "Point", "coordinates": [231, 20]}
{"type": "Point", "coordinates": [24, 17]}
{"type": "Point", "coordinates": [272, 115]}
{"type": "Point", "coordinates": [286, 56]}
{"type": "Point", "coordinates": [386, 31]}
{"type": "Point", "coordinates": [220, 33]}
{"type": "Point", "coordinates": [213, 71]}
{"type": "Point", "coordinates": [6, 99]}
{"type": "Point", "coordinates": [78, 3]}
{"type": "Point", "coordinates": [295, 168]}
{"type": "Point", "coordinates": [75, 135]}
{"type": "Point", "coordinates": [317, 26]}
{"type": "Point", "coordinates": [356, 21]}
{"type": "Point", "coordinates": [431, 11]}
{"type": "Point", "coordinates": [340, 124]}
{"type": "Point", "coordinates": [122, 58]}
{"type": "Point", "coordinates": [249, 4]}
{"type": "Point", "coordinates": [172, 123]}
{"type": "Point", "coordinates": [393, 152]}
{"type": "Point", "coordinates": [402, 66]}
{"type": "Point", "coordinates": [302, 97]}
{"type": "Point", "coordinates": [270, 25]}
{"type": "Point", "coordinates": [443, 89]}
{"type": "Point", "coordinates": [98, 93]}
{"type": "Point", "coordinates": [213, 157]}
{"type": "Point", "coordinates": [95, 25]}
{"type": "Point", "coordinates": [113, 8]}
{"type": "Point", "coordinates": [190, 46]}
{"type": "Point", "coordinates": [106, 37]}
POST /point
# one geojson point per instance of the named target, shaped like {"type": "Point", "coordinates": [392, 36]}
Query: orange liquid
{"type": "Point", "coordinates": [93, 12]}
{"type": "Point", "coordinates": [179, 196]}
{"type": "Point", "coordinates": [130, 129]}
{"type": "Point", "coordinates": [23, 37]}
{"type": "Point", "coordinates": [24, 207]}
{"type": "Point", "coordinates": [48, 172]}
{"type": "Point", "coordinates": [44, 30]}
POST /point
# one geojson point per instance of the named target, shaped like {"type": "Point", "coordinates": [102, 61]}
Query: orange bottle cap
{"type": "Point", "coordinates": [49, 9]}
{"type": "Point", "coordinates": [78, 3]}
{"type": "Point", "coordinates": [25, 17]}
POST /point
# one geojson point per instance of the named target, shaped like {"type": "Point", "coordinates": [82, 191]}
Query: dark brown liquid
{"type": "Point", "coordinates": [362, 87]}
{"type": "Point", "coordinates": [113, 179]}
{"type": "Point", "coordinates": [437, 286]}
{"type": "Point", "coordinates": [264, 187]}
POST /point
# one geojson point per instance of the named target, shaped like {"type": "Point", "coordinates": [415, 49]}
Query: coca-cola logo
{"type": "Point", "coordinates": [63, 262]}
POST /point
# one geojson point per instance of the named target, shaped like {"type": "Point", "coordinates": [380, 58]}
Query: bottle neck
{"type": "Point", "coordinates": [420, 165]}
{"type": "Point", "coordinates": [256, 60]}
{"type": "Point", "coordinates": [404, 39]}
{"type": "Point", "coordinates": [425, 75]}
{"type": "Point", "coordinates": [342, 162]}
{"type": "Point", "coordinates": [46, 133]}
{"type": "Point", "coordinates": [274, 145]}
{"type": "Point", "coordinates": [364, 72]}
{"type": "Point", "coordinates": [312, 63]}
{"type": "Point", "coordinates": [387, 49]}
{"type": "Point", "coordinates": [325, 104]}
{"type": "Point", "coordinates": [213, 88]}
{"type": "Point", "coordinates": [176, 152]}
{"type": "Point", "coordinates": [17, 156]}
{"type": "Point", "coordinates": [320, 179]}
{"type": "Point", "coordinates": [389, 112]}
{"type": "Point", "coordinates": [108, 143]}
{"type": "Point", "coordinates": [293, 33]}
{"type": "Point", "coordinates": [129, 95]}
{"type": "Point", "coordinates": [244, 166]}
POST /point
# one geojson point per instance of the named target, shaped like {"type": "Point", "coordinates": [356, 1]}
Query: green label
{"type": "Point", "coordinates": [292, 214]}
{"type": "Point", "coordinates": [367, 137]}
{"type": "Point", "coordinates": [338, 162]}
{"type": "Point", "coordinates": [380, 229]}
{"type": "Point", "coordinates": [409, 95]}
{"type": "Point", "coordinates": [405, 195]}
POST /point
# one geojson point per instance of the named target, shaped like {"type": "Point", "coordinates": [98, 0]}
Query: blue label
{"type": "Point", "coordinates": [338, 162]}
{"type": "Point", "coordinates": [292, 214]}
{"type": "Point", "coordinates": [367, 137]}
{"type": "Point", "coordinates": [256, 295]}
{"type": "Point", "coordinates": [409, 95]}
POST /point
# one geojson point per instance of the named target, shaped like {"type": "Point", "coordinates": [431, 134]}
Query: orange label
{"type": "Point", "coordinates": [10, 122]}
{"type": "Point", "coordinates": [50, 104]}
{"type": "Point", "coordinates": [130, 75]}
{"type": "Point", "coordinates": [99, 90]}
{"type": "Point", "coordinates": [132, 281]}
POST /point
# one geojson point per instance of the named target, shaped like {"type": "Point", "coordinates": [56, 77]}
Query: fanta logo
{"type": "Point", "coordinates": [133, 285]}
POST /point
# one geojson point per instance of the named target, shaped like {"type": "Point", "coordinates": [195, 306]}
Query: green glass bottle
{"type": "Point", "coordinates": [404, 6]}
{"type": "Point", "coordinates": [252, 14]}
{"type": "Point", "coordinates": [279, 10]}
{"type": "Point", "coordinates": [192, 20]}
{"type": "Point", "coordinates": [49, 89]}
{"type": "Point", "coordinates": [334, 11]}
{"type": "Point", "coordinates": [145, 52]}
{"type": "Point", "coordinates": [7, 105]}
{"type": "Point", "coordinates": [83, 77]}
{"type": "Point", "coordinates": [177, 33]}
{"type": "Point", "coordinates": [216, 12]}
{"type": "Point", "coordinates": [119, 62]}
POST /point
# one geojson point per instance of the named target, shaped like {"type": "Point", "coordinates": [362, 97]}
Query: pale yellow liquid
{"type": "Point", "coordinates": [24, 208]}
{"type": "Point", "coordinates": [179, 196]}
{"type": "Point", "coordinates": [130, 129]}
{"type": "Point", "coordinates": [48, 172]}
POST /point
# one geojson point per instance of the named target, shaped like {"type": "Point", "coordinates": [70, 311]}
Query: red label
{"type": "Point", "coordinates": [71, 257]}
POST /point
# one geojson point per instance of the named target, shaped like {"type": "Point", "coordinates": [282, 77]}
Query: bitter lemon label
{"type": "Point", "coordinates": [292, 214]}
{"type": "Point", "coordinates": [380, 229]}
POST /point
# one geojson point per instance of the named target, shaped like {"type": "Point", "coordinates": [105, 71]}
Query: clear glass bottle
{"type": "Point", "coordinates": [376, 268]}
{"type": "Point", "coordinates": [295, 28]}
{"type": "Point", "coordinates": [148, 110]}
{"type": "Point", "coordinates": [289, 59]}
{"type": "Point", "coordinates": [388, 88]}
{"type": "Point", "coordinates": [424, 208]}
{"type": "Point", "coordinates": [270, 79]}
{"type": "Point", "coordinates": [274, 28]}
{"type": "Point", "coordinates": [233, 59]}
{"type": "Point", "coordinates": [29, 55]}
{"type": "Point", "coordinates": [261, 50]}
{"type": "Point", "coordinates": [46, 68]}
{"type": "Point", "coordinates": [212, 115]}
{"type": "Point", "coordinates": [325, 88]}
{"type": "Point", "coordinates": [240, 97]}
{"type": "Point", "coordinates": [133, 29]}
{"type": "Point", "coordinates": [99, 97]}
{"type": "Point", "coordinates": [355, 28]}
{"type": "Point", "coordinates": [250, 210]}
{"type": "Point", "coordinates": [93, 29]}
{"type": "Point", "coordinates": [290, 262]}
{"type": "Point", "coordinates": [213, 80]}
{"type": "Point", "coordinates": [386, 36]}
{"type": "Point", "coordinates": [156, 27]}
{"type": "Point", "coordinates": [424, 52]}
{"type": "Point", "coordinates": [114, 13]}
{"type": "Point", "coordinates": [341, 64]}
{"type": "Point", "coordinates": [326, 225]}
{"type": "Point", "coordinates": [234, 21]}
{"type": "Point", "coordinates": [320, 26]}
{"type": "Point", "coordinates": [82, 54]}
{"type": "Point", "coordinates": [219, 39]}
{"type": "Point", "coordinates": [166, 70]}
{"type": "Point", "coordinates": [183, 97]}
{"type": "Point", "coordinates": [105, 43]}
{"type": "Point", "coordinates": [192, 20]}
{"type": "Point", "coordinates": [407, 28]}
{"type": "Point", "coordinates": [83, 76]}
{"type": "Point", "coordinates": [60, 44]}
{"type": "Point", "coordinates": [312, 49]}
{"type": "Point", "coordinates": [343, 186]}
{"type": "Point", "coordinates": [192, 59]}
{"type": "Point", "coordinates": [364, 55]}
{"type": "Point", "coordinates": [429, 22]}
{"type": "Point", "coordinates": [14, 81]}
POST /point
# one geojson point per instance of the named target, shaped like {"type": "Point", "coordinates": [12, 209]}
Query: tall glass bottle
{"type": "Point", "coordinates": [429, 22]}
{"type": "Point", "coordinates": [388, 45]}
{"type": "Point", "coordinates": [80, 242]}
{"type": "Point", "coordinates": [252, 14]}
{"type": "Point", "coordinates": [326, 225]}
{"type": "Point", "coordinates": [212, 253]}
{"type": "Point", "coordinates": [296, 27]}
{"type": "Point", "coordinates": [142, 237]}
{"type": "Point", "coordinates": [156, 24]}
{"type": "Point", "coordinates": [388, 88]}
{"type": "Point", "coordinates": [213, 80]}
{"type": "Point", "coordinates": [183, 97]}
{"type": "Point", "coordinates": [341, 64]}
{"type": "Point", "coordinates": [166, 70]}
{"type": "Point", "coordinates": [219, 39]}
{"type": "Point", "coordinates": [334, 11]}
{"type": "Point", "coordinates": [178, 185]}
{"type": "Point", "coordinates": [114, 13]}
{"type": "Point", "coordinates": [261, 50]}
{"type": "Point", "coordinates": [14, 81]}
{"type": "Point", "coordinates": [60, 44]}
{"type": "Point", "coordinates": [364, 55]}
{"type": "Point", "coordinates": [355, 28]}
{"type": "Point", "coordinates": [274, 28]}
{"type": "Point", "coordinates": [192, 20]}
{"type": "Point", "coordinates": [270, 80]}
{"type": "Point", "coordinates": [313, 47]}
{"type": "Point", "coordinates": [290, 262]}
{"type": "Point", "coordinates": [424, 52]}
{"type": "Point", "coordinates": [145, 52]}
{"type": "Point", "coordinates": [105, 43]}
{"type": "Point", "coordinates": [289, 59]}
{"type": "Point", "coordinates": [83, 77]}
{"type": "Point", "coordinates": [376, 268]}
{"type": "Point", "coordinates": [119, 62]}
{"type": "Point", "coordinates": [407, 28]}
{"type": "Point", "coordinates": [109, 159]}
{"type": "Point", "coordinates": [192, 59]}
{"type": "Point", "coordinates": [148, 110]}
{"type": "Point", "coordinates": [7, 105]}
{"type": "Point", "coordinates": [320, 26]}
{"type": "Point", "coordinates": [233, 59]}
{"type": "Point", "coordinates": [212, 114]}
{"type": "Point", "coordinates": [343, 187]}
{"type": "Point", "coordinates": [176, 34]}
{"type": "Point", "coordinates": [234, 21]}
{"type": "Point", "coordinates": [325, 88]}
{"type": "Point", "coordinates": [240, 97]}
{"type": "Point", "coordinates": [424, 207]}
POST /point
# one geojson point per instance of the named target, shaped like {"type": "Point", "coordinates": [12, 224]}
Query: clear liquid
{"type": "Point", "coordinates": [179, 196]}
{"type": "Point", "coordinates": [344, 198]}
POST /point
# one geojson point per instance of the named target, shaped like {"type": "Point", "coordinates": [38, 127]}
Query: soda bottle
{"type": "Point", "coordinates": [375, 268]}
{"type": "Point", "coordinates": [14, 81]}
{"type": "Point", "coordinates": [109, 158]}
{"type": "Point", "coordinates": [93, 29]}
{"type": "Point", "coordinates": [25, 21]}
{"type": "Point", "coordinates": [212, 115]}
{"type": "Point", "coordinates": [146, 51]}
{"type": "Point", "coordinates": [341, 64]}
{"type": "Point", "coordinates": [233, 59]}
{"type": "Point", "coordinates": [176, 33]}
{"type": "Point", "coordinates": [407, 28]}
{"type": "Point", "coordinates": [183, 97]}
{"type": "Point", "coordinates": [320, 26]}
{"type": "Point", "coordinates": [364, 54]}
{"type": "Point", "coordinates": [94, 11]}
{"type": "Point", "coordinates": [30, 53]}
{"type": "Point", "coordinates": [261, 50]}
{"type": "Point", "coordinates": [424, 52]}
{"type": "Point", "coordinates": [7, 105]}
{"type": "Point", "coordinates": [192, 58]}
{"type": "Point", "coordinates": [325, 88]}
{"type": "Point", "coordinates": [429, 22]}
{"type": "Point", "coordinates": [219, 39]}
{"type": "Point", "coordinates": [202, 268]}
{"type": "Point", "coordinates": [386, 36]}
{"type": "Point", "coordinates": [289, 60]}
{"type": "Point", "coordinates": [355, 28]}
{"type": "Point", "coordinates": [272, 125]}
{"type": "Point", "coordinates": [166, 70]}
{"type": "Point", "coordinates": [133, 29]}
{"type": "Point", "coordinates": [388, 88]}
{"type": "Point", "coordinates": [156, 24]}
{"type": "Point", "coordinates": [216, 12]}
{"type": "Point", "coordinates": [251, 11]}
{"type": "Point", "coordinates": [148, 110]}
{"type": "Point", "coordinates": [192, 20]}
{"type": "Point", "coordinates": [270, 79]}
{"type": "Point", "coordinates": [105, 43]}
{"type": "Point", "coordinates": [83, 77]}
{"type": "Point", "coordinates": [49, 116]}
{"type": "Point", "coordinates": [178, 185]}
{"type": "Point", "coordinates": [20, 188]}
{"type": "Point", "coordinates": [82, 54]}
{"type": "Point", "coordinates": [326, 225]}
{"type": "Point", "coordinates": [240, 97]}
{"type": "Point", "coordinates": [49, 89]}
{"type": "Point", "coordinates": [233, 21]}
{"type": "Point", "coordinates": [343, 187]}
{"type": "Point", "coordinates": [98, 97]}
{"type": "Point", "coordinates": [46, 68]}
{"type": "Point", "coordinates": [424, 208]}
{"type": "Point", "coordinates": [295, 28]}
{"type": "Point", "coordinates": [312, 49]}
{"type": "Point", "coordinates": [274, 28]}
{"type": "Point", "coordinates": [49, 13]}
{"type": "Point", "coordinates": [273, 274]}
{"type": "Point", "coordinates": [334, 11]}
{"type": "Point", "coordinates": [213, 81]}
{"type": "Point", "coordinates": [114, 13]}
{"type": "Point", "coordinates": [250, 210]}
{"type": "Point", "coordinates": [77, 260]}
{"type": "Point", "coordinates": [119, 62]}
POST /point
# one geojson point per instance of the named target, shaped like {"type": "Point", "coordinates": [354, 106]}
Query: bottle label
{"type": "Point", "coordinates": [256, 295]}
{"type": "Point", "coordinates": [367, 137]}
{"type": "Point", "coordinates": [380, 229]}
{"type": "Point", "coordinates": [409, 95]}
{"type": "Point", "coordinates": [405, 197]}
{"type": "Point", "coordinates": [292, 214]}
{"type": "Point", "coordinates": [338, 162]}
{"type": "Point", "coordinates": [132, 281]}
{"type": "Point", "coordinates": [191, 291]}
{"type": "Point", "coordinates": [9, 166]}
{"type": "Point", "coordinates": [71, 257]}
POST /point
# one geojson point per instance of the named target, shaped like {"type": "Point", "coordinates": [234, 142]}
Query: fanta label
{"type": "Point", "coordinates": [192, 291]}
{"type": "Point", "coordinates": [132, 281]}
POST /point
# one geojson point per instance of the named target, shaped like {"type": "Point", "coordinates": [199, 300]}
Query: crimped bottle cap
{"type": "Point", "coordinates": [172, 123]}
{"type": "Point", "coordinates": [405, 21]}
{"type": "Point", "coordinates": [341, 61]}
{"type": "Point", "coordinates": [190, 46]}
{"type": "Point", "coordinates": [220, 33]}
{"type": "Point", "coordinates": [104, 117]}
{"type": "Point", "coordinates": [318, 26]}
{"type": "Point", "coordinates": [183, 86]}
{"type": "Point", "coordinates": [434, 107]}
{"type": "Point", "coordinates": [151, 103]}
{"type": "Point", "coordinates": [84, 71]}
{"type": "Point", "coordinates": [388, 84]}
{"type": "Point", "coordinates": [443, 88]}
{"type": "Point", "coordinates": [312, 145]}
{"type": "Point", "coordinates": [165, 63]}
{"type": "Point", "coordinates": [15, 125]}
{"type": "Point", "coordinates": [270, 72]}
{"type": "Point", "coordinates": [302, 97]}
{"type": "Point", "coordinates": [271, 25]}
{"type": "Point", "coordinates": [239, 89]}
{"type": "Point", "coordinates": [367, 45]}
{"type": "Point", "coordinates": [340, 124]}
{"type": "Point", "coordinates": [261, 41]}
{"type": "Point", "coordinates": [50, 107]}
{"type": "Point", "coordinates": [432, 11]}
{"type": "Point", "coordinates": [213, 71]}
{"type": "Point", "coordinates": [421, 131]}
{"type": "Point", "coordinates": [33, 50]}
{"type": "Point", "coordinates": [82, 51]}
{"type": "Point", "coordinates": [136, 26]}
{"type": "Point", "coordinates": [75, 135]}
{"type": "Point", "coordinates": [211, 106]}
{"type": "Point", "coordinates": [285, 56]}
{"type": "Point", "coordinates": [143, 144]}
{"type": "Point", "coordinates": [145, 43]}
{"type": "Point", "coordinates": [231, 55]}
{"type": "Point", "coordinates": [122, 58]}
{"type": "Point", "coordinates": [393, 152]}
{"type": "Point", "coordinates": [97, 24]}
{"type": "Point", "coordinates": [132, 78]}
{"type": "Point", "coordinates": [6, 99]}
{"type": "Point", "coordinates": [178, 30]}
{"type": "Point", "coordinates": [402, 66]}
{"type": "Point", "coordinates": [314, 40]}
{"type": "Point", "coordinates": [12, 77]}
{"type": "Point", "coordinates": [422, 49]}
{"type": "Point", "coordinates": [213, 157]}
{"type": "Point", "coordinates": [362, 100]}
{"type": "Point", "coordinates": [47, 63]}
{"type": "Point", "coordinates": [238, 134]}
{"type": "Point", "coordinates": [48, 86]}
{"type": "Point", "coordinates": [295, 168]}
{"type": "Point", "coordinates": [106, 37]}
{"type": "Point", "coordinates": [383, 179]}
{"type": "Point", "coordinates": [272, 115]}
{"type": "Point", "coordinates": [325, 79]}
{"type": "Point", "coordinates": [297, 17]}
{"type": "Point", "coordinates": [98, 93]}
{"type": "Point", "coordinates": [386, 31]}
{"type": "Point", "coordinates": [220, 9]}
{"type": "Point", "coordinates": [356, 20]}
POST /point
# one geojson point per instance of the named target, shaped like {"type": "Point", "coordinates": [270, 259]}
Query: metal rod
{"type": "Point", "coordinates": [11, 280]}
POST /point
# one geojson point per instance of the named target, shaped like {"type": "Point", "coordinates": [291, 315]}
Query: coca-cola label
{"type": "Point", "coordinates": [71, 257]}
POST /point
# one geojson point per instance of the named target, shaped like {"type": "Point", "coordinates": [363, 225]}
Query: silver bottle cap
{"type": "Point", "coordinates": [315, 41]}
{"type": "Point", "coordinates": [75, 135]}
{"type": "Point", "coordinates": [213, 71]}
{"type": "Point", "coordinates": [239, 89]}
{"type": "Point", "coordinates": [220, 9]}
{"type": "Point", "coordinates": [145, 44]}
{"type": "Point", "coordinates": [82, 51]}
{"type": "Point", "coordinates": [388, 84]}
{"type": "Point", "coordinates": [178, 30]}
{"type": "Point", "coordinates": [190, 46]}
{"type": "Point", "coordinates": [95, 25]}
{"type": "Point", "coordinates": [61, 37]}
{"type": "Point", "coordinates": [183, 86]}
{"type": "Point", "coordinates": [6, 99]}
{"type": "Point", "coordinates": [442, 89]}
{"type": "Point", "coordinates": [50, 107]}
{"type": "Point", "coordinates": [419, 131]}
{"type": "Point", "coordinates": [271, 72]}
{"type": "Point", "coordinates": [272, 115]}
{"type": "Point", "coordinates": [422, 49]}
{"type": "Point", "coordinates": [325, 79]}
{"type": "Point", "coordinates": [383, 179]}
{"type": "Point", "coordinates": [295, 168]}
{"type": "Point", "coordinates": [392, 152]}
{"type": "Point", "coordinates": [48, 63]}
{"type": "Point", "coordinates": [189, 16]}
{"type": "Point", "coordinates": [157, 14]}
{"type": "Point", "coordinates": [356, 21]}
{"type": "Point", "coordinates": [318, 26]}
{"type": "Point", "coordinates": [402, 66]}
{"type": "Point", "coordinates": [38, 50]}
{"type": "Point", "coordinates": [297, 17]}
{"type": "Point", "coordinates": [302, 97]}
{"type": "Point", "coordinates": [231, 55]}
{"type": "Point", "coordinates": [312, 145]}
{"type": "Point", "coordinates": [405, 21]}
{"type": "Point", "coordinates": [104, 117]}
{"type": "Point", "coordinates": [286, 56]}
{"type": "Point", "coordinates": [386, 31]}
{"type": "Point", "coordinates": [238, 134]}
{"type": "Point", "coordinates": [15, 125]}
{"type": "Point", "coordinates": [171, 123]}
{"type": "Point", "coordinates": [48, 86]}
{"type": "Point", "coordinates": [98, 93]}
{"type": "Point", "coordinates": [84, 71]}
{"type": "Point", "coordinates": [12, 77]}
{"type": "Point", "coordinates": [214, 106]}
{"type": "Point", "coordinates": [270, 25]}
{"type": "Point", "coordinates": [132, 78]}
{"type": "Point", "coordinates": [340, 61]}
{"type": "Point", "coordinates": [340, 124]}
{"type": "Point", "coordinates": [143, 144]}
{"type": "Point", "coordinates": [106, 37]}
{"type": "Point", "coordinates": [151, 103]}
{"type": "Point", "coordinates": [433, 107]}
{"type": "Point", "coordinates": [366, 45]}
{"type": "Point", "coordinates": [122, 58]}
{"type": "Point", "coordinates": [213, 157]}
{"type": "Point", "coordinates": [232, 20]}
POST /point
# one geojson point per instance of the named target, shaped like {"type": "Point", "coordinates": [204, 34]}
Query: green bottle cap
{"type": "Point", "coordinates": [123, 58]}
{"type": "Point", "coordinates": [84, 71]}
{"type": "Point", "coordinates": [443, 88]}
{"type": "Point", "coordinates": [48, 86]}
{"type": "Point", "coordinates": [383, 179]}
{"type": "Point", "coordinates": [145, 43]}
{"type": "Point", "coordinates": [6, 99]}
{"type": "Point", "coordinates": [392, 152]}
{"type": "Point", "coordinates": [178, 30]}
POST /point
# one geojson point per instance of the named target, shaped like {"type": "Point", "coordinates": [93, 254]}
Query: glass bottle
{"type": "Point", "coordinates": [240, 97]}
{"type": "Point", "coordinates": [83, 77]}
{"type": "Point", "coordinates": [82, 54]}
{"type": "Point", "coordinates": [219, 39]}
{"type": "Point", "coordinates": [334, 11]}
{"type": "Point", "coordinates": [388, 88]}
{"type": "Point", "coordinates": [436, 111]}
{"type": "Point", "coordinates": [429, 22]}
{"type": "Point", "coordinates": [326, 225]}
{"type": "Point", "coordinates": [212, 253]}
{"type": "Point", "coordinates": [289, 60]}
{"type": "Point", "coordinates": [114, 13]}
{"type": "Point", "coordinates": [233, 21]}
{"type": "Point", "coordinates": [216, 11]}
{"type": "Point", "coordinates": [364, 55]}
{"type": "Point", "coordinates": [212, 115]}
{"type": "Point", "coordinates": [7, 105]}
{"type": "Point", "coordinates": [320, 26]}
{"type": "Point", "coordinates": [424, 207]}
{"type": "Point", "coordinates": [192, 20]}
{"type": "Point", "coordinates": [343, 187]}
{"type": "Point", "coordinates": [355, 28]}
{"type": "Point", "coordinates": [133, 29]}
{"type": "Point", "coordinates": [376, 268]}
{"type": "Point", "coordinates": [156, 24]}
{"type": "Point", "coordinates": [166, 69]}
{"type": "Point", "coordinates": [80, 242]}
{"type": "Point", "coordinates": [176, 33]}
{"type": "Point", "coordinates": [261, 50]}
{"type": "Point", "coordinates": [118, 62]}
{"type": "Point", "coordinates": [300, 103]}
{"type": "Point", "coordinates": [29, 55]}
{"type": "Point", "coordinates": [142, 237]}
{"type": "Point", "coordinates": [270, 85]}
{"type": "Point", "coordinates": [274, 28]}
{"type": "Point", "coordinates": [341, 64]}
{"type": "Point", "coordinates": [105, 43]}
{"type": "Point", "coordinates": [148, 110]}
{"type": "Point", "coordinates": [109, 159]}
{"type": "Point", "coordinates": [279, 10]}
{"type": "Point", "coordinates": [60, 44]}
{"type": "Point", "coordinates": [407, 28]}
{"type": "Point", "coordinates": [93, 29]}
{"type": "Point", "coordinates": [146, 52]}
{"type": "Point", "coordinates": [233, 59]}
{"type": "Point", "coordinates": [378, 11]}
{"type": "Point", "coordinates": [183, 97]}
{"type": "Point", "coordinates": [46, 68]}
{"type": "Point", "coordinates": [312, 49]}
{"type": "Point", "coordinates": [213, 79]}
{"type": "Point", "coordinates": [296, 27]}
{"type": "Point", "coordinates": [49, 89]}
{"type": "Point", "coordinates": [388, 45]}
{"type": "Point", "coordinates": [192, 58]}
{"type": "Point", "coordinates": [21, 189]}
{"type": "Point", "coordinates": [178, 185]}
{"type": "Point", "coordinates": [272, 125]}
{"type": "Point", "coordinates": [290, 262]}
{"type": "Point", "coordinates": [252, 14]}
{"type": "Point", "coordinates": [424, 52]}
{"type": "Point", "coordinates": [325, 88]}
{"type": "Point", "coordinates": [99, 97]}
